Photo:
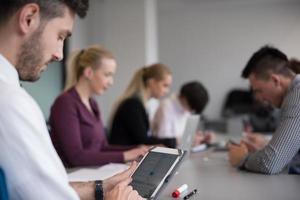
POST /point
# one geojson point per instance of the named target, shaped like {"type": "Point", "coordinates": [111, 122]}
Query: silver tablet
{"type": "Point", "coordinates": [154, 170]}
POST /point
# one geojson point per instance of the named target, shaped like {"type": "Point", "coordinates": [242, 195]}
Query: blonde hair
{"type": "Point", "coordinates": [138, 85]}
{"type": "Point", "coordinates": [81, 59]}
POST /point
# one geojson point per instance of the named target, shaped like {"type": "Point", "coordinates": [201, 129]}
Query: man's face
{"type": "Point", "coordinates": [267, 91]}
{"type": "Point", "coordinates": [44, 46]}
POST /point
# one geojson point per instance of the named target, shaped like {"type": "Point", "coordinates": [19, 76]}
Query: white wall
{"type": "Point", "coordinates": [211, 40]}
{"type": "Point", "coordinates": [81, 34]}
{"type": "Point", "coordinates": [206, 40]}
{"type": "Point", "coordinates": [119, 26]}
{"type": "Point", "coordinates": [50, 81]}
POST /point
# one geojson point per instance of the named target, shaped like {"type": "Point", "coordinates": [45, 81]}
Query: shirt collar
{"type": "Point", "coordinates": [8, 72]}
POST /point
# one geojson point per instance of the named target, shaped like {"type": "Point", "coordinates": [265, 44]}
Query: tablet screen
{"type": "Point", "coordinates": [151, 172]}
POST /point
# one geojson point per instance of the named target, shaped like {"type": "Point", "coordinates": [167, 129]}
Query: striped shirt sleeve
{"type": "Point", "coordinates": [285, 143]}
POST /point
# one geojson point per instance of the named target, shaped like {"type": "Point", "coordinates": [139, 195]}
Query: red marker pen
{"type": "Point", "coordinates": [179, 190]}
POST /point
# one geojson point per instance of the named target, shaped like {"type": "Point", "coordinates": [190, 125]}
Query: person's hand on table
{"type": "Point", "coordinates": [237, 153]}
{"type": "Point", "coordinates": [135, 153]}
{"type": "Point", "coordinates": [209, 137]}
{"type": "Point", "coordinates": [146, 146]}
{"type": "Point", "coordinates": [254, 141]}
{"type": "Point", "coordinates": [206, 137]}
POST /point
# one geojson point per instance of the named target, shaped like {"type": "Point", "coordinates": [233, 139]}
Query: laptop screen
{"type": "Point", "coordinates": [189, 132]}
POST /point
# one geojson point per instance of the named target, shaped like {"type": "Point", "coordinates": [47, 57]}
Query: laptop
{"type": "Point", "coordinates": [191, 127]}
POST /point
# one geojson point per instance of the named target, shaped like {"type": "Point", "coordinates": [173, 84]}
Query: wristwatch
{"type": "Point", "coordinates": [98, 190]}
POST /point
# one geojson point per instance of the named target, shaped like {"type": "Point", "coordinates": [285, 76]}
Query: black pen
{"type": "Point", "coordinates": [190, 194]}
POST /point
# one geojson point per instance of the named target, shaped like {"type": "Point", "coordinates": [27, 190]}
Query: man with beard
{"type": "Point", "coordinates": [273, 83]}
{"type": "Point", "coordinates": [32, 33]}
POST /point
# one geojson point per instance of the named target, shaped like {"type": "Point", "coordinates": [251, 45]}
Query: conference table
{"type": "Point", "coordinates": [214, 178]}
{"type": "Point", "coordinates": [211, 174]}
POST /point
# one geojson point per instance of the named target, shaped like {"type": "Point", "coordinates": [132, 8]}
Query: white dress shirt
{"type": "Point", "coordinates": [31, 165]}
{"type": "Point", "coordinates": [170, 118]}
{"type": "Point", "coordinates": [152, 106]}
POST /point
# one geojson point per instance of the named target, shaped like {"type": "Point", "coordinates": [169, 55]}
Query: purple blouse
{"type": "Point", "coordinates": [78, 134]}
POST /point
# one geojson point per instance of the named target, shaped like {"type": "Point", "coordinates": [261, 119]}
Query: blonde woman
{"type": "Point", "coordinates": [129, 121]}
{"type": "Point", "coordinates": [77, 130]}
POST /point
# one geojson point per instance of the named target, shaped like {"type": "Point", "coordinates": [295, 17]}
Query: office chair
{"type": "Point", "coordinates": [3, 187]}
{"type": "Point", "coordinates": [241, 103]}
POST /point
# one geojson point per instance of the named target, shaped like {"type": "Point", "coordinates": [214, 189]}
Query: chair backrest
{"type": "Point", "coordinates": [3, 187]}
{"type": "Point", "coordinates": [238, 102]}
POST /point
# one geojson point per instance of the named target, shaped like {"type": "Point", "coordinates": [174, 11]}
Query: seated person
{"type": "Point", "coordinates": [172, 114]}
{"type": "Point", "coordinates": [32, 35]}
{"type": "Point", "coordinates": [273, 83]}
{"type": "Point", "coordinates": [77, 130]}
{"type": "Point", "coordinates": [129, 119]}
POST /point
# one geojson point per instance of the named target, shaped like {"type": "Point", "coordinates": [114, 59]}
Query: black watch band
{"type": "Point", "coordinates": [98, 190]}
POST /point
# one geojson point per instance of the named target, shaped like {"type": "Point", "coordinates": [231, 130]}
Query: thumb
{"type": "Point", "coordinates": [244, 142]}
{"type": "Point", "coordinates": [125, 174]}
{"type": "Point", "coordinates": [125, 182]}
{"type": "Point", "coordinates": [130, 170]}
{"type": "Point", "coordinates": [251, 137]}
{"type": "Point", "coordinates": [243, 145]}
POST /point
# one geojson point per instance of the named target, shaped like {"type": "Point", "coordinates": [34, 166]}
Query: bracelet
{"type": "Point", "coordinates": [98, 190]}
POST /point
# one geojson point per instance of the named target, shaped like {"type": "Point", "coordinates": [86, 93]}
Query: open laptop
{"type": "Point", "coordinates": [189, 132]}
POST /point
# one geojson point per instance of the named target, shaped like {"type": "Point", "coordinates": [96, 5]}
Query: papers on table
{"type": "Point", "coordinates": [96, 173]}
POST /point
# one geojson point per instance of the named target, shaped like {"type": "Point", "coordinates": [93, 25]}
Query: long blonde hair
{"type": "Point", "coordinates": [138, 84]}
{"type": "Point", "coordinates": [83, 58]}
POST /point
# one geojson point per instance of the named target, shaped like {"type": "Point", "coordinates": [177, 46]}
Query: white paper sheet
{"type": "Point", "coordinates": [99, 173]}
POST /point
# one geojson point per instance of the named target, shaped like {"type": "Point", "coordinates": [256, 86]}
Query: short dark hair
{"type": "Point", "coordinates": [49, 8]}
{"type": "Point", "coordinates": [196, 95]}
{"type": "Point", "coordinates": [267, 59]}
{"type": "Point", "coordinates": [294, 65]}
